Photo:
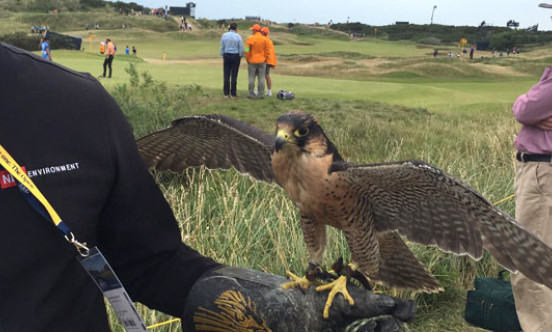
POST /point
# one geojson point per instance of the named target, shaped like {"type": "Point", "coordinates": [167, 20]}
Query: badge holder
{"type": "Point", "coordinates": [105, 278]}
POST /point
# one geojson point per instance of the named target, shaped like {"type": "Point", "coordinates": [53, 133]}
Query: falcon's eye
{"type": "Point", "coordinates": [301, 132]}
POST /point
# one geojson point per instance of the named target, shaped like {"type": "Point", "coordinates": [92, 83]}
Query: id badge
{"type": "Point", "coordinates": [105, 278]}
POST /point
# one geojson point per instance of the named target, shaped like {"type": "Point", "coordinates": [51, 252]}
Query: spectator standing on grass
{"type": "Point", "coordinates": [127, 50]}
{"type": "Point", "coordinates": [109, 55]}
{"type": "Point", "coordinates": [271, 61]}
{"type": "Point", "coordinates": [83, 158]}
{"type": "Point", "coordinates": [231, 50]}
{"type": "Point", "coordinates": [45, 49]}
{"type": "Point", "coordinates": [133, 50]}
{"type": "Point", "coordinates": [533, 192]}
{"type": "Point", "coordinates": [256, 53]}
{"type": "Point", "coordinates": [472, 49]}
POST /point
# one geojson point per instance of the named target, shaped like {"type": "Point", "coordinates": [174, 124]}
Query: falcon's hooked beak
{"type": "Point", "coordinates": [282, 138]}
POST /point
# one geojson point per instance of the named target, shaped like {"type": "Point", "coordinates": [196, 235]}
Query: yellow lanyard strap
{"type": "Point", "coordinates": [17, 172]}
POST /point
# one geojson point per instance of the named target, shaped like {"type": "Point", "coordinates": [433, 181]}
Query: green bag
{"type": "Point", "coordinates": [491, 305]}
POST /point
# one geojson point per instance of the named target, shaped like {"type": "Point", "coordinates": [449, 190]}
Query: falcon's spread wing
{"type": "Point", "coordinates": [216, 141]}
{"type": "Point", "coordinates": [433, 208]}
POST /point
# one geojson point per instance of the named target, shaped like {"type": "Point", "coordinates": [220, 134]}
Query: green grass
{"type": "Point", "coordinates": [378, 101]}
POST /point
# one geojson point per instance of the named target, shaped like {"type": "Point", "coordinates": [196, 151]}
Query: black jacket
{"type": "Point", "coordinates": [78, 149]}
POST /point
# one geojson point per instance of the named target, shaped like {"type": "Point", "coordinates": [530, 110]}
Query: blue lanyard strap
{"type": "Point", "coordinates": [35, 204]}
{"type": "Point", "coordinates": [37, 201]}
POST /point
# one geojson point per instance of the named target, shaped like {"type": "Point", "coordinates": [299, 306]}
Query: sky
{"type": "Point", "coordinates": [373, 12]}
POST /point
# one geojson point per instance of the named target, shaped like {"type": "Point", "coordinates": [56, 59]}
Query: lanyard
{"type": "Point", "coordinates": [91, 259]}
{"type": "Point", "coordinates": [38, 201]}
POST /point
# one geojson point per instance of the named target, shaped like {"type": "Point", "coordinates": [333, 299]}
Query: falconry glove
{"type": "Point", "coordinates": [237, 299]}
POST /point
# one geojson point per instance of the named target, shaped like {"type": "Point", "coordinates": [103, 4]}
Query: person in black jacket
{"type": "Point", "coordinates": [77, 147]}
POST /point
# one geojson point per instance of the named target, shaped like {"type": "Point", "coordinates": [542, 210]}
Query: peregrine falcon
{"type": "Point", "coordinates": [373, 204]}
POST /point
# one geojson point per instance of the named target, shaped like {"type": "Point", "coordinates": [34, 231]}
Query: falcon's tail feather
{"type": "Point", "coordinates": [400, 268]}
{"type": "Point", "coordinates": [516, 248]}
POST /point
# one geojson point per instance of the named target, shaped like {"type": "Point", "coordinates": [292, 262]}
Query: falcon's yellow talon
{"type": "Point", "coordinates": [335, 287]}
{"type": "Point", "coordinates": [302, 282]}
{"type": "Point", "coordinates": [375, 290]}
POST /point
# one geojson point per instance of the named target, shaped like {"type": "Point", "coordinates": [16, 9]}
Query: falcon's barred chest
{"type": "Point", "coordinates": [318, 194]}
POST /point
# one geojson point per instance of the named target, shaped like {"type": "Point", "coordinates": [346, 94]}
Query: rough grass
{"type": "Point", "coordinates": [106, 18]}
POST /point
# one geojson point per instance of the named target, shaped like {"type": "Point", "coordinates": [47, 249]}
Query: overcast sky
{"type": "Point", "coordinates": [374, 12]}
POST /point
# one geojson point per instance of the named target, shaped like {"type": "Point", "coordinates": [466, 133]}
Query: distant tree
{"type": "Point", "coordinates": [49, 5]}
{"type": "Point", "coordinates": [22, 40]}
{"type": "Point", "coordinates": [126, 7]}
{"type": "Point", "coordinates": [87, 4]}
{"type": "Point", "coordinates": [519, 38]}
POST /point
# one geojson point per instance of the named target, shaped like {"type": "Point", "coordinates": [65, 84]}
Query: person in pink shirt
{"type": "Point", "coordinates": [533, 191]}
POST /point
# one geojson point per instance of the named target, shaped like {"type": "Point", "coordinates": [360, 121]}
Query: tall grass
{"type": "Point", "coordinates": [242, 222]}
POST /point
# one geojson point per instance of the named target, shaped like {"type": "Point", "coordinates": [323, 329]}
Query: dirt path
{"type": "Point", "coordinates": [196, 61]}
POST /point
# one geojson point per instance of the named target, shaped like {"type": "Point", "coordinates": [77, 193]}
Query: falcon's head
{"type": "Point", "coordinates": [298, 132]}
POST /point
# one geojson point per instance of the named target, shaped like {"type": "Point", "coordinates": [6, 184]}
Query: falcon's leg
{"type": "Point", "coordinates": [315, 239]}
{"type": "Point", "coordinates": [363, 243]}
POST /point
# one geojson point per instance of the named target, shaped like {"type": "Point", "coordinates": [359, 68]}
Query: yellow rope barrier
{"type": "Point", "coordinates": [178, 319]}
{"type": "Point", "coordinates": [163, 323]}
{"type": "Point", "coordinates": [504, 199]}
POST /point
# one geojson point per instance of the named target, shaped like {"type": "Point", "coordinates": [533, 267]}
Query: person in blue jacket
{"type": "Point", "coordinates": [45, 48]}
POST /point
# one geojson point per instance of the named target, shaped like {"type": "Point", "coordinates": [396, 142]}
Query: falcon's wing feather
{"type": "Point", "coordinates": [431, 207]}
{"type": "Point", "coordinates": [216, 141]}
{"type": "Point", "coordinates": [399, 267]}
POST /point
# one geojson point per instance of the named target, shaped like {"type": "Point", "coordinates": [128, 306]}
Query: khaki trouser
{"type": "Point", "coordinates": [257, 70]}
{"type": "Point", "coordinates": [533, 189]}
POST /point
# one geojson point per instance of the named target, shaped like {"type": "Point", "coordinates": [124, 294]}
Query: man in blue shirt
{"type": "Point", "coordinates": [45, 48]}
{"type": "Point", "coordinates": [231, 49]}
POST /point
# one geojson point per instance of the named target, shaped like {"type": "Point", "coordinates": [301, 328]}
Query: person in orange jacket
{"type": "Point", "coordinates": [256, 53]}
{"type": "Point", "coordinates": [110, 54]}
{"type": "Point", "coordinates": [270, 60]}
